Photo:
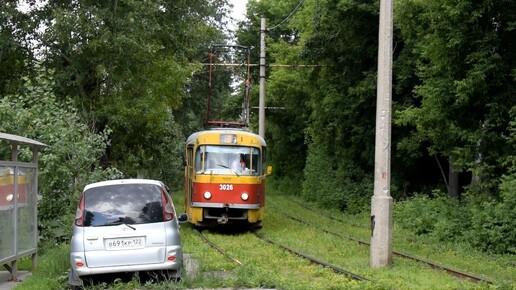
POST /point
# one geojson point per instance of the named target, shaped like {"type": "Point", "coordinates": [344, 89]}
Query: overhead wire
{"type": "Point", "coordinates": [289, 16]}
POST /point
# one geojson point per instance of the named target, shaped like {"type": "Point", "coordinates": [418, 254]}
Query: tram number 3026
{"type": "Point", "coordinates": [226, 187]}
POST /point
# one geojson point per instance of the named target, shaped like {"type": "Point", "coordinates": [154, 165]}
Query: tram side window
{"type": "Point", "coordinates": [200, 156]}
{"type": "Point", "coordinates": [198, 161]}
{"type": "Point", "coordinates": [264, 159]}
{"type": "Point", "coordinates": [255, 163]}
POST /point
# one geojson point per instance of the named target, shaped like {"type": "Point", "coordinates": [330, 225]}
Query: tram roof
{"type": "Point", "coordinates": [196, 135]}
{"type": "Point", "coordinates": [15, 139]}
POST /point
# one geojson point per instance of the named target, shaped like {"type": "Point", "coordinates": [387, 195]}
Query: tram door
{"type": "Point", "coordinates": [189, 173]}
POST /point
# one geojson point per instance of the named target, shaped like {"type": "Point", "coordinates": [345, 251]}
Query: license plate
{"type": "Point", "coordinates": [125, 243]}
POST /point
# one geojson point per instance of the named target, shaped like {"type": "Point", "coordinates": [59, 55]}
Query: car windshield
{"type": "Point", "coordinates": [232, 160]}
{"type": "Point", "coordinates": [123, 204]}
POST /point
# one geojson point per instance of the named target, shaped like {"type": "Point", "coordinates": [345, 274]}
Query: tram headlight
{"type": "Point", "coordinates": [207, 195]}
{"type": "Point", "coordinates": [244, 196]}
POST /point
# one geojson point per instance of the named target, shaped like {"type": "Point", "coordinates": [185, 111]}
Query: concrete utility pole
{"type": "Point", "coordinates": [261, 111]}
{"type": "Point", "coordinates": [381, 202]}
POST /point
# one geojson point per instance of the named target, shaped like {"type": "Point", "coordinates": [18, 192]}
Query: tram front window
{"type": "Point", "coordinates": [227, 160]}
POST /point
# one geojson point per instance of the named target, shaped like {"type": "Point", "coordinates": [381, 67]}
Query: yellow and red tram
{"type": "Point", "coordinates": [7, 188]}
{"type": "Point", "coordinates": [225, 172]}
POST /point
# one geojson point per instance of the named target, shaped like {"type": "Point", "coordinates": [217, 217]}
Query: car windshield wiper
{"type": "Point", "coordinates": [115, 223]}
{"type": "Point", "coordinates": [225, 166]}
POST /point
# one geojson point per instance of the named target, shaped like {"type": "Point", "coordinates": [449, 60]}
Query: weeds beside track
{"type": "Point", "coordinates": [453, 272]}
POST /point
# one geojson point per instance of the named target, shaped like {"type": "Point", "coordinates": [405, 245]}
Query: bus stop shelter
{"type": "Point", "coordinates": [18, 200]}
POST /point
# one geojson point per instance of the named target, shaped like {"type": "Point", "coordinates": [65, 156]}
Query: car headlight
{"type": "Point", "coordinates": [245, 196]}
{"type": "Point", "coordinates": [207, 195]}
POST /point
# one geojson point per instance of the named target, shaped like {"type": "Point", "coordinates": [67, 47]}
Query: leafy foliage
{"type": "Point", "coordinates": [287, 90]}
{"type": "Point", "coordinates": [72, 157]}
{"type": "Point", "coordinates": [454, 85]}
{"type": "Point", "coordinates": [452, 105]}
{"type": "Point", "coordinates": [126, 63]}
{"type": "Point", "coordinates": [13, 53]}
{"type": "Point", "coordinates": [488, 226]}
{"type": "Point", "coordinates": [121, 90]}
{"type": "Point", "coordinates": [461, 97]}
{"type": "Point", "coordinates": [493, 222]}
{"type": "Point", "coordinates": [437, 217]}
{"type": "Point", "coordinates": [342, 101]}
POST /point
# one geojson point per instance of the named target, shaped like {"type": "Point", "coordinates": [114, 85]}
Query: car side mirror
{"type": "Point", "coordinates": [182, 218]}
{"type": "Point", "coordinates": [269, 170]}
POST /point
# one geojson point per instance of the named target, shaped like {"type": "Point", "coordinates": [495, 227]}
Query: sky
{"type": "Point", "coordinates": [239, 8]}
{"type": "Point", "coordinates": [238, 13]}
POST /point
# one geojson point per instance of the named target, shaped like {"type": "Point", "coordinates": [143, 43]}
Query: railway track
{"type": "Point", "coordinates": [219, 249]}
{"type": "Point", "coordinates": [336, 269]}
{"type": "Point", "coordinates": [325, 215]}
{"type": "Point", "coordinates": [313, 260]}
{"type": "Point", "coordinates": [453, 272]}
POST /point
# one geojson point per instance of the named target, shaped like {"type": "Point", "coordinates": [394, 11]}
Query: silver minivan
{"type": "Point", "coordinates": [125, 225]}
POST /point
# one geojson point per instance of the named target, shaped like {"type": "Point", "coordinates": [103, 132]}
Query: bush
{"type": "Point", "coordinates": [336, 185]}
{"type": "Point", "coordinates": [487, 226]}
{"type": "Point", "coordinates": [494, 222]}
{"type": "Point", "coordinates": [439, 216]}
{"type": "Point", "coordinates": [286, 185]}
{"type": "Point", "coordinates": [72, 157]}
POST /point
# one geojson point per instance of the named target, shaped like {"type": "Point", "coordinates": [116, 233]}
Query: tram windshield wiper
{"type": "Point", "coordinates": [225, 166]}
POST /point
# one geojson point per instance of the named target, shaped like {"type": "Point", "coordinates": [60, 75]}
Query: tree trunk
{"type": "Point", "coordinates": [453, 180]}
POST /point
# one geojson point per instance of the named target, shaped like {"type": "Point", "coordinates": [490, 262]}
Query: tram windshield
{"type": "Point", "coordinates": [227, 160]}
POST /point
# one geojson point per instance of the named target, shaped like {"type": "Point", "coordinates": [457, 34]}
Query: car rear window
{"type": "Point", "coordinates": [123, 204]}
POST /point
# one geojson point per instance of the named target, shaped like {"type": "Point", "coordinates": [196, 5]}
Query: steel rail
{"type": "Point", "coordinates": [220, 250]}
{"type": "Point", "coordinates": [312, 259]}
{"type": "Point", "coordinates": [453, 272]}
{"type": "Point", "coordinates": [328, 216]}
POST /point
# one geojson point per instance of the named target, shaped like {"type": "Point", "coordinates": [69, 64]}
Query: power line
{"type": "Point", "coordinates": [255, 64]}
{"type": "Point", "coordinates": [289, 16]}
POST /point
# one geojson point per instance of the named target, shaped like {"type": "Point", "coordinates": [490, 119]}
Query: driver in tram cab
{"type": "Point", "coordinates": [238, 164]}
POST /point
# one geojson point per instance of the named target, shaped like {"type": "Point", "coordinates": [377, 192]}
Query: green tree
{"type": "Point", "coordinates": [341, 128]}
{"type": "Point", "coordinates": [127, 63]}
{"type": "Point", "coordinates": [464, 68]}
{"type": "Point", "coordinates": [322, 136]}
{"type": "Point", "coordinates": [287, 86]}
{"type": "Point", "coordinates": [71, 159]}
{"type": "Point", "coordinates": [14, 46]}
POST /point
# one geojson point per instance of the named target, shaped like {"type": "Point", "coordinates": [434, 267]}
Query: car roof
{"type": "Point", "coordinates": [124, 181]}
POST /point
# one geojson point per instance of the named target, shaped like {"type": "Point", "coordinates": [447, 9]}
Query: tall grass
{"type": "Point", "coordinates": [52, 269]}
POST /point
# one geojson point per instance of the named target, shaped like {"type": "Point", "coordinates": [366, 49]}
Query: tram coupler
{"type": "Point", "coordinates": [223, 219]}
